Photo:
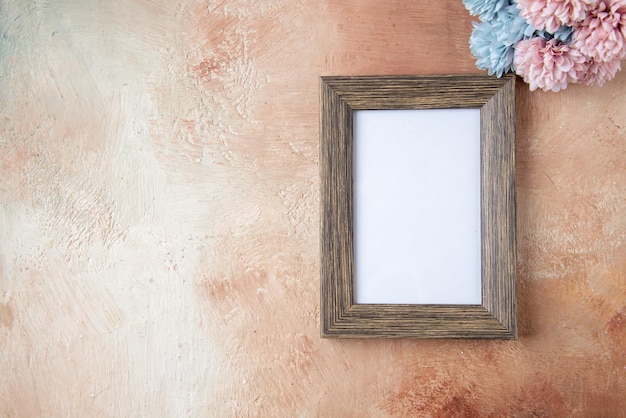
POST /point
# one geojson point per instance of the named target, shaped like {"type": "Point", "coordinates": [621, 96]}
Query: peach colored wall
{"type": "Point", "coordinates": [159, 219]}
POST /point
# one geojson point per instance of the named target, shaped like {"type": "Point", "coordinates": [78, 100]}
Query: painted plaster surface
{"type": "Point", "coordinates": [159, 198]}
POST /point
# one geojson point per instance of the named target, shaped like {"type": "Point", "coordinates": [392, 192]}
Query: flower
{"type": "Point", "coordinates": [597, 73]}
{"type": "Point", "coordinates": [563, 34]}
{"type": "Point", "coordinates": [490, 54]}
{"type": "Point", "coordinates": [548, 64]}
{"type": "Point", "coordinates": [550, 43]}
{"type": "Point", "coordinates": [492, 41]}
{"type": "Point", "coordinates": [552, 14]}
{"type": "Point", "coordinates": [485, 9]}
{"type": "Point", "coordinates": [602, 34]}
{"type": "Point", "coordinates": [512, 27]}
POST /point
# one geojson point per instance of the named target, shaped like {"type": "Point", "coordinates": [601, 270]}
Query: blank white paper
{"type": "Point", "coordinates": [417, 206]}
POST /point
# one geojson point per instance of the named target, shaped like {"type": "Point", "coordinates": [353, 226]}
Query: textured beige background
{"type": "Point", "coordinates": [159, 219]}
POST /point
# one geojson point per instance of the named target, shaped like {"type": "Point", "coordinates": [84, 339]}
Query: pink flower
{"type": "Point", "coordinates": [597, 73]}
{"type": "Point", "coordinates": [602, 34]}
{"type": "Point", "coordinates": [548, 65]}
{"type": "Point", "coordinates": [552, 14]}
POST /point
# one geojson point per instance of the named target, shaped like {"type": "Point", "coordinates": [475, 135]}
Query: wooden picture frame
{"type": "Point", "coordinates": [496, 316]}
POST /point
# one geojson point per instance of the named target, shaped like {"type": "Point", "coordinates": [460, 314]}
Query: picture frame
{"type": "Point", "coordinates": [495, 317]}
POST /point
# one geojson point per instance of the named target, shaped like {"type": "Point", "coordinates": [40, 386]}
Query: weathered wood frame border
{"type": "Point", "coordinates": [496, 316]}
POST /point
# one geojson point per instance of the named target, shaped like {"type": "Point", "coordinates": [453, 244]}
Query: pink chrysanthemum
{"type": "Point", "coordinates": [552, 14]}
{"type": "Point", "coordinates": [548, 65]}
{"type": "Point", "coordinates": [602, 34]}
{"type": "Point", "coordinates": [597, 73]}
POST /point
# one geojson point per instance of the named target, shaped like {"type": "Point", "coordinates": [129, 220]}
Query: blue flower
{"type": "Point", "coordinates": [511, 27]}
{"type": "Point", "coordinates": [564, 34]}
{"type": "Point", "coordinates": [491, 55]}
{"type": "Point", "coordinates": [492, 41]}
{"type": "Point", "coordinates": [485, 9]}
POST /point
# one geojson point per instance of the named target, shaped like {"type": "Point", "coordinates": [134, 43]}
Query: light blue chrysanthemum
{"type": "Point", "coordinates": [491, 55]}
{"type": "Point", "coordinates": [485, 9]}
{"type": "Point", "coordinates": [492, 41]}
{"type": "Point", "coordinates": [512, 27]}
{"type": "Point", "coordinates": [563, 34]}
